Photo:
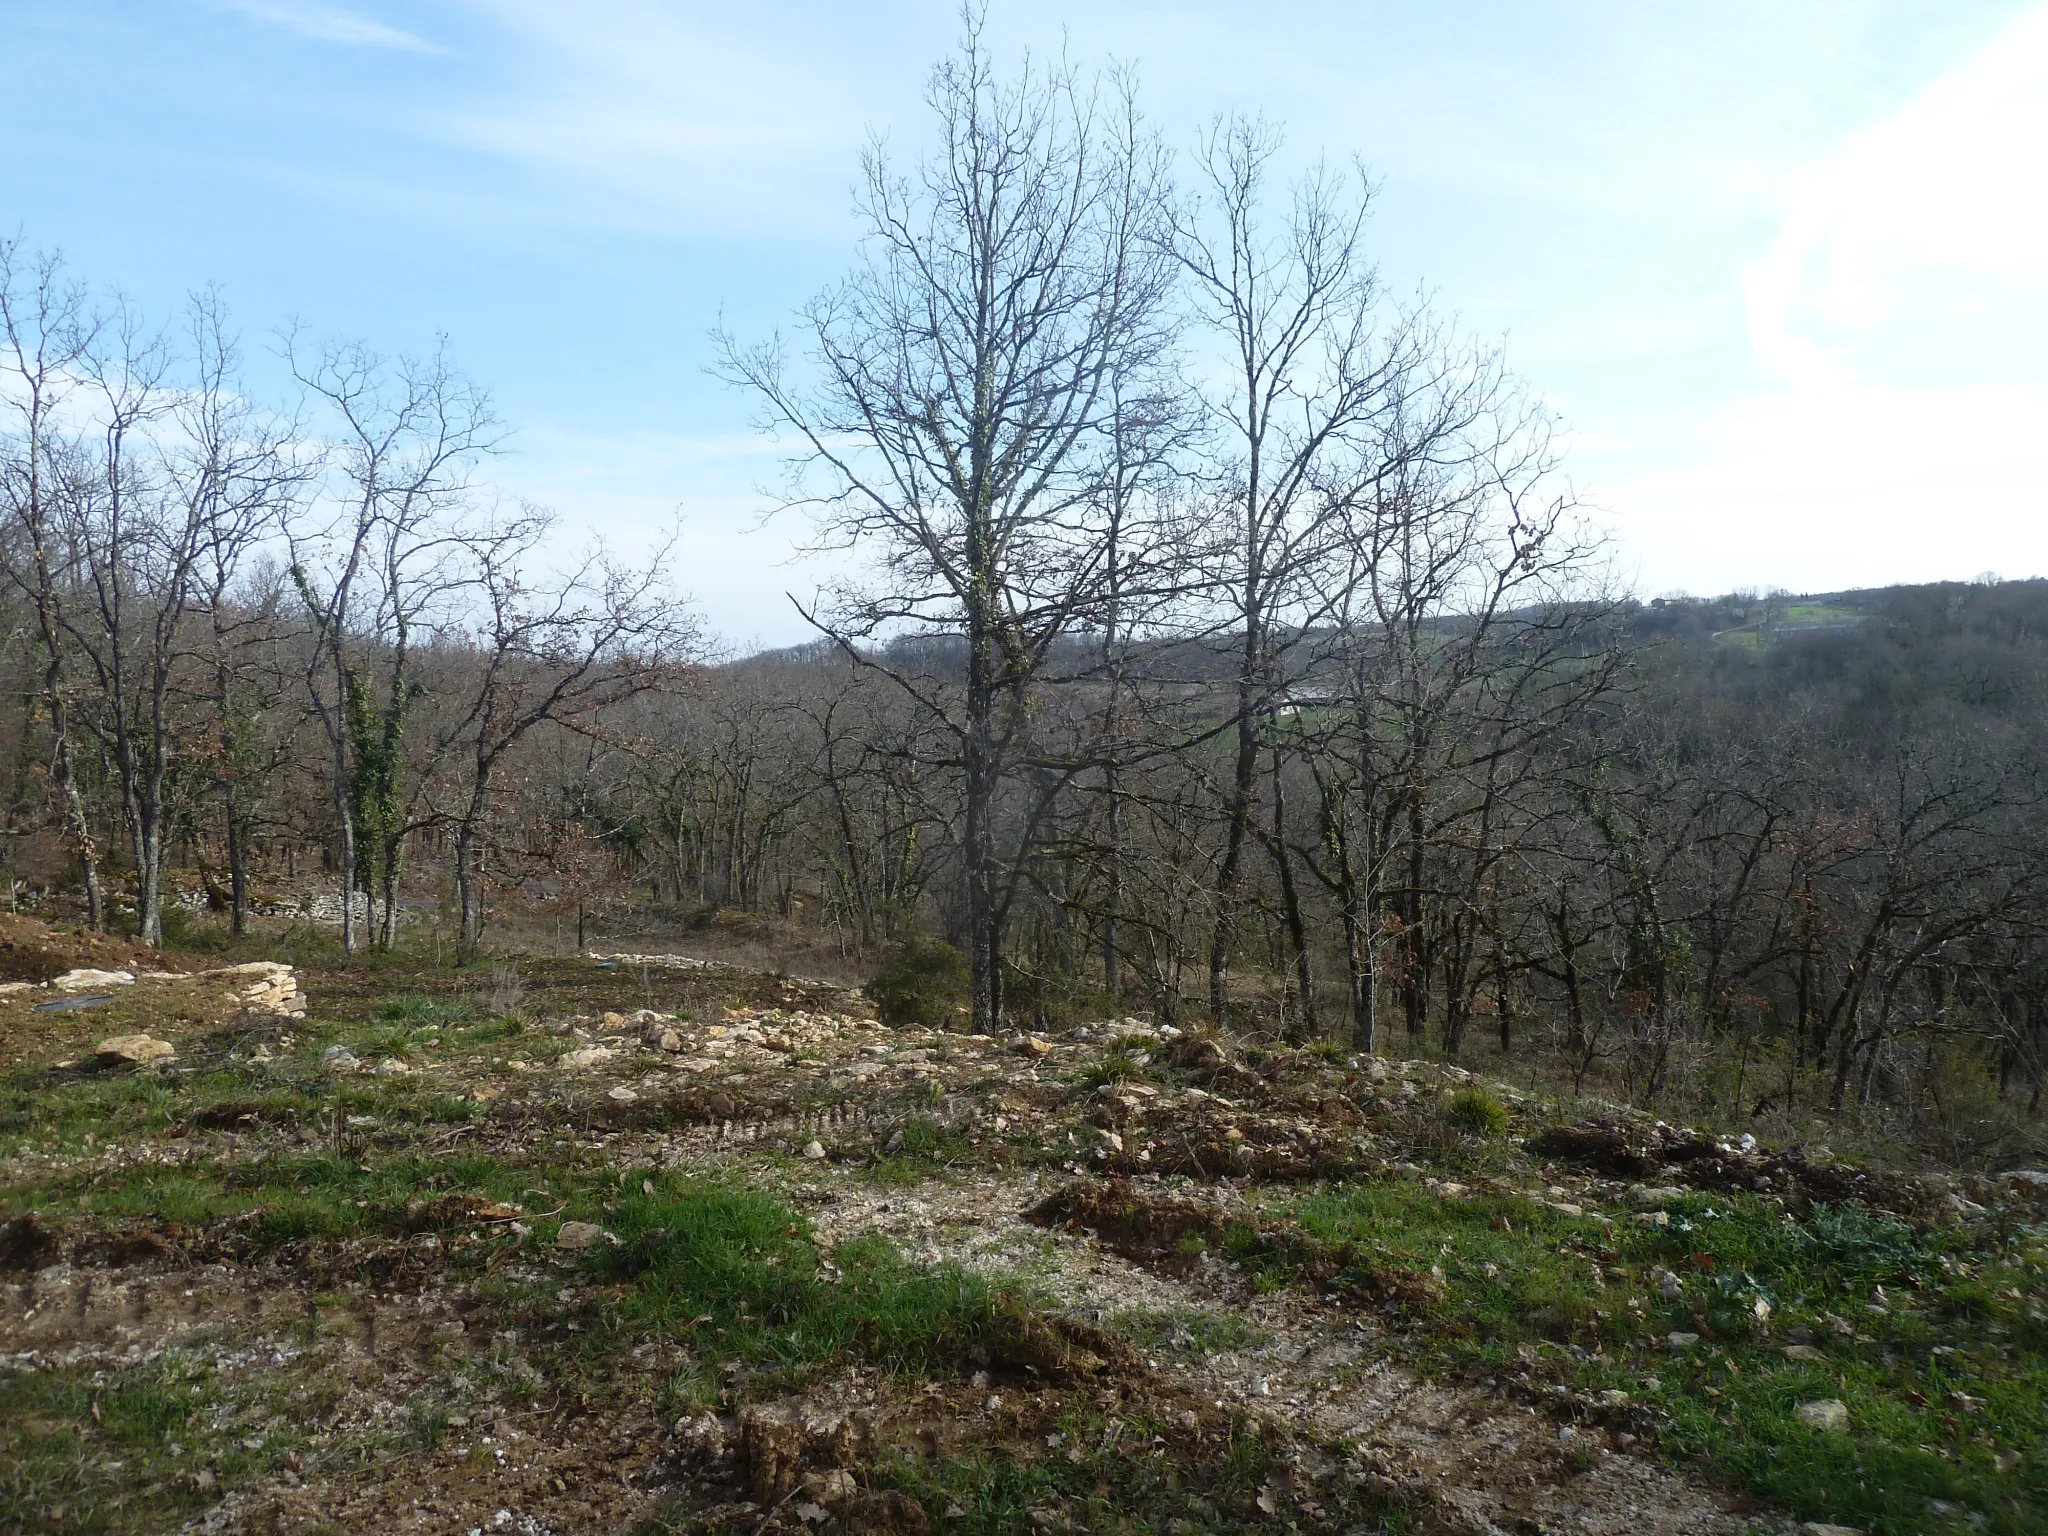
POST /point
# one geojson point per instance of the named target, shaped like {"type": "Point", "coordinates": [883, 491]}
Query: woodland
{"type": "Point", "coordinates": [1239, 977]}
{"type": "Point", "coordinates": [1224, 641]}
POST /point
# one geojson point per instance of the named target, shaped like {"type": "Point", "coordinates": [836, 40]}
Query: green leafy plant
{"type": "Point", "coordinates": [924, 985]}
{"type": "Point", "coordinates": [1476, 1112]}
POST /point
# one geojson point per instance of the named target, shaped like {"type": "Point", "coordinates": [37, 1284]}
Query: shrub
{"type": "Point", "coordinates": [924, 984]}
{"type": "Point", "coordinates": [1478, 1113]}
{"type": "Point", "coordinates": [1118, 1062]}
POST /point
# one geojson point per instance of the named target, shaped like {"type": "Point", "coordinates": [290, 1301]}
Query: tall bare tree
{"type": "Point", "coordinates": [367, 556]}
{"type": "Point", "coordinates": [1313, 365]}
{"type": "Point", "coordinates": [957, 413]}
{"type": "Point", "coordinates": [562, 648]}
{"type": "Point", "coordinates": [49, 328]}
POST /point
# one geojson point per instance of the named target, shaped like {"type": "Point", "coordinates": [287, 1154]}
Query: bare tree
{"type": "Point", "coordinates": [406, 435]}
{"type": "Point", "coordinates": [958, 413]}
{"type": "Point", "coordinates": [554, 648]}
{"type": "Point", "coordinates": [188, 477]}
{"type": "Point", "coordinates": [1313, 365]}
{"type": "Point", "coordinates": [48, 331]}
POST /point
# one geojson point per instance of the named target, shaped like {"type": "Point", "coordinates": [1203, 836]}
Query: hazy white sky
{"type": "Point", "coordinates": [1784, 268]}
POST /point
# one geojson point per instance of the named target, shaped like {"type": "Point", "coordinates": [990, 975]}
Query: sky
{"type": "Point", "coordinates": [1781, 269]}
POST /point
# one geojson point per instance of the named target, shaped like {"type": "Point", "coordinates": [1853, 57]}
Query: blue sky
{"type": "Point", "coordinates": [1782, 267]}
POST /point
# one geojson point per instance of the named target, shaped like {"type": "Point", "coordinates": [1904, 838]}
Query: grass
{"type": "Point", "coordinates": [1193, 1331]}
{"type": "Point", "coordinates": [284, 1198]}
{"type": "Point", "coordinates": [423, 1012]}
{"type": "Point", "coordinates": [82, 1453]}
{"type": "Point", "coordinates": [920, 1149]}
{"type": "Point", "coordinates": [737, 1273]}
{"type": "Point", "coordinates": [1131, 1473]}
{"type": "Point", "coordinates": [1103, 1473]}
{"type": "Point", "coordinates": [1519, 1277]}
{"type": "Point", "coordinates": [1118, 1062]}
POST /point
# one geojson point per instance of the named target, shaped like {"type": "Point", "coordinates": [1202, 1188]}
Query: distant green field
{"type": "Point", "coordinates": [1820, 613]}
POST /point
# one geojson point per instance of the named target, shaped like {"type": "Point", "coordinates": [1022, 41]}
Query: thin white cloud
{"type": "Point", "coordinates": [330, 24]}
{"type": "Point", "coordinates": [659, 112]}
{"type": "Point", "coordinates": [1923, 242]}
{"type": "Point", "coordinates": [1901, 312]}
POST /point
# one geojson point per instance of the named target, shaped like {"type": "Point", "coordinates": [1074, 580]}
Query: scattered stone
{"type": "Point", "coordinates": [1828, 1414]}
{"type": "Point", "coordinates": [585, 1057]}
{"type": "Point", "coordinates": [704, 1434]}
{"type": "Point", "coordinates": [339, 1058]}
{"type": "Point", "coordinates": [1818, 1528]}
{"type": "Point", "coordinates": [814, 1150]}
{"type": "Point", "coordinates": [578, 1235]}
{"type": "Point", "coordinates": [264, 986]}
{"type": "Point", "coordinates": [1804, 1352]}
{"type": "Point", "coordinates": [1655, 1219]}
{"type": "Point", "coordinates": [834, 1486]}
{"type": "Point", "coordinates": [670, 1041]}
{"type": "Point", "coordinates": [132, 1049]}
{"type": "Point", "coordinates": [1681, 1340]}
{"type": "Point", "coordinates": [91, 980]}
{"type": "Point", "coordinates": [1030, 1046]}
{"type": "Point", "coordinates": [391, 1066]}
{"type": "Point", "coordinates": [622, 1095]}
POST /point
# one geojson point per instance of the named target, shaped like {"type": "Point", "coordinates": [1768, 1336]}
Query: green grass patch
{"type": "Point", "coordinates": [1967, 1426]}
{"type": "Point", "coordinates": [275, 1200]}
{"type": "Point", "coordinates": [418, 1012]}
{"type": "Point", "coordinates": [1100, 1472]}
{"type": "Point", "coordinates": [737, 1272]}
{"type": "Point", "coordinates": [1118, 1062]}
{"type": "Point", "coordinates": [919, 1149]}
{"type": "Point", "coordinates": [1476, 1112]}
{"type": "Point", "coordinates": [84, 1453]}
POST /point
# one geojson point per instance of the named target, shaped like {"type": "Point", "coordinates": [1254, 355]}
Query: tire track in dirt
{"type": "Point", "coordinates": [1482, 1464]}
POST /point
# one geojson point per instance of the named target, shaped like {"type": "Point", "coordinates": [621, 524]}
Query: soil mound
{"type": "Point", "coordinates": [31, 950]}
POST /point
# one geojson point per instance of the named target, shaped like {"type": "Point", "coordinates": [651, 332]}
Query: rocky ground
{"type": "Point", "coordinates": [659, 1245]}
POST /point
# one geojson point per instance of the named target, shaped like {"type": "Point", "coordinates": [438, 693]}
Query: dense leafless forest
{"type": "Point", "coordinates": [1223, 640]}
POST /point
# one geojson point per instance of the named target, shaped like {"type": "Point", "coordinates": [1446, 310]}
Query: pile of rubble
{"type": "Point", "coordinates": [264, 986]}
{"type": "Point", "coordinates": [1636, 1148]}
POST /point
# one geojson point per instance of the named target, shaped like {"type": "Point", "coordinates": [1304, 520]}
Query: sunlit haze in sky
{"type": "Point", "coordinates": [1783, 269]}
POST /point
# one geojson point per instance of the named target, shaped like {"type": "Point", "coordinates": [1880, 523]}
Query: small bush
{"type": "Point", "coordinates": [924, 985]}
{"type": "Point", "coordinates": [186, 930]}
{"type": "Point", "coordinates": [1119, 1061]}
{"type": "Point", "coordinates": [1478, 1113]}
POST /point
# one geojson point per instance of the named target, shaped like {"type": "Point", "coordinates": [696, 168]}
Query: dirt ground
{"type": "Point", "coordinates": [431, 1381]}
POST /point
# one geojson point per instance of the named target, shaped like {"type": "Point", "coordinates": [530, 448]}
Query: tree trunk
{"type": "Point", "coordinates": [1297, 930]}
{"type": "Point", "coordinates": [1243, 779]}
{"type": "Point", "coordinates": [345, 829]}
{"type": "Point", "coordinates": [61, 769]}
{"type": "Point", "coordinates": [978, 852]}
{"type": "Point", "coordinates": [238, 862]}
